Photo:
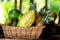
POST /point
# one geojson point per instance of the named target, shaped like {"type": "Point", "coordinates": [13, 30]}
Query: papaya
{"type": "Point", "coordinates": [27, 19]}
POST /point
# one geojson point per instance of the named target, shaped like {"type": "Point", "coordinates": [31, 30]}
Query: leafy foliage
{"type": "Point", "coordinates": [46, 17]}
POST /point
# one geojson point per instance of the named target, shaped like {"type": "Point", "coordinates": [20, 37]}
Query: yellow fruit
{"type": "Point", "coordinates": [38, 19]}
{"type": "Point", "coordinates": [39, 24]}
{"type": "Point", "coordinates": [27, 19]}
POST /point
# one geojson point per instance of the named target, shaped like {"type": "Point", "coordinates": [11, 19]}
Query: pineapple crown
{"type": "Point", "coordinates": [46, 17]}
{"type": "Point", "coordinates": [32, 6]}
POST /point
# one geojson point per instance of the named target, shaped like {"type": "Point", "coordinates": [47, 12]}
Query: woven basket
{"type": "Point", "coordinates": [22, 32]}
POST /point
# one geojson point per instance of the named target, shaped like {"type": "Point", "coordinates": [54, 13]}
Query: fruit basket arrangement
{"type": "Point", "coordinates": [28, 25]}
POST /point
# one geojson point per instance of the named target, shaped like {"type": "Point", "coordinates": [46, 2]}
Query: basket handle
{"type": "Point", "coordinates": [31, 1]}
{"type": "Point", "coordinates": [46, 5]}
{"type": "Point", "coordinates": [20, 6]}
{"type": "Point", "coordinates": [15, 4]}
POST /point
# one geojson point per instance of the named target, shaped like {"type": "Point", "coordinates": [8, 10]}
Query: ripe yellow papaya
{"type": "Point", "coordinates": [27, 19]}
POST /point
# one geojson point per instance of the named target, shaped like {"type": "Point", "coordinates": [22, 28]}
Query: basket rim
{"type": "Point", "coordinates": [3, 25]}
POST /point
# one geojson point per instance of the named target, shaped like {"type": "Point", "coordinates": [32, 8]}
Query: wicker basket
{"type": "Point", "coordinates": [22, 32]}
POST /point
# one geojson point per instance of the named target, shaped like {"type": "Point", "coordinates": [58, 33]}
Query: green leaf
{"type": "Point", "coordinates": [55, 5]}
{"type": "Point", "coordinates": [7, 6]}
{"type": "Point", "coordinates": [46, 17]}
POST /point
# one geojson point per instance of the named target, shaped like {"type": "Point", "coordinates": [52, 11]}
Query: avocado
{"type": "Point", "coordinates": [8, 22]}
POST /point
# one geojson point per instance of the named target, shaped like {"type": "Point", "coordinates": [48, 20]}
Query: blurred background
{"type": "Point", "coordinates": [7, 5]}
